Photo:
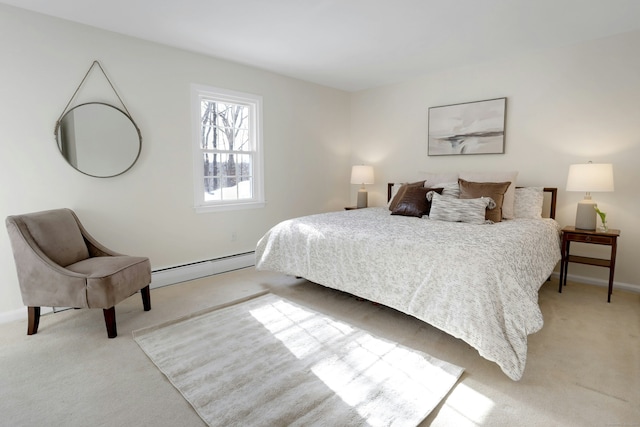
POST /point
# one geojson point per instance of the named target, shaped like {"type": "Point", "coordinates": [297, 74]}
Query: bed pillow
{"type": "Point", "coordinates": [509, 197]}
{"type": "Point", "coordinates": [394, 191]}
{"type": "Point", "coordinates": [495, 190]}
{"type": "Point", "coordinates": [450, 189]}
{"type": "Point", "coordinates": [471, 211]}
{"type": "Point", "coordinates": [528, 202]}
{"type": "Point", "coordinates": [399, 194]}
{"type": "Point", "coordinates": [433, 178]}
{"type": "Point", "coordinates": [414, 202]}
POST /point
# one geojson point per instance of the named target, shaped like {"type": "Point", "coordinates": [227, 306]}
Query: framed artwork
{"type": "Point", "coordinates": [468, 128]}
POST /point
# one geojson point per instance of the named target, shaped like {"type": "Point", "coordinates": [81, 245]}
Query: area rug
{"type": "Point", "coordinates": [267, 361]}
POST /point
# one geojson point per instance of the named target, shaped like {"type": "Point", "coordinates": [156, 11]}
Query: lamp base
{"type": "Point", "coordinates": [586, 215]}
{"type": "Point", "coordinates": [362, 199]}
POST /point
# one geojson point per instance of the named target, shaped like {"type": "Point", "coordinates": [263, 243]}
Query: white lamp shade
{"type": "Point", "coordinates": [590, 177]}
{"type": "Point", "coordinates": [362, 174]}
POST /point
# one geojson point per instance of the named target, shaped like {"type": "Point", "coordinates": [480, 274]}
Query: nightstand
{"type": "Point", "coordinates": [572, 234]}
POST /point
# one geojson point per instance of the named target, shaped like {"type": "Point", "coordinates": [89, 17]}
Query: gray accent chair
{"type": "Point", "coordinates": [59, 264]}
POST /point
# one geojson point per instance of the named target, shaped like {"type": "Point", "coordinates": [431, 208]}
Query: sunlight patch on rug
{"type": "Point", "coordinates": [269, 361]}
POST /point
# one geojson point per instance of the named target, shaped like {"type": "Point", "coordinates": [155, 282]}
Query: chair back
{"type": "Point", "coordinates": [56, 232]}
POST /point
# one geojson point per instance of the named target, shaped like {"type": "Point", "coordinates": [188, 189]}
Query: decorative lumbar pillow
{"type": "Point", "coordinates": [414, 202]}
{"type": "Point", "coordinates": [528, 202]}
{"type": "Point", "coordinates": [494, 190]}
{"type": "Point", "coordinates": [471, 211]}
{"type": "Point", "coordinates": [509, 196]}
{"type": "Point", "coordinates": [400, 192]}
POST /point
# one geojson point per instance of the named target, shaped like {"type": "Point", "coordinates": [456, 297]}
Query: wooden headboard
{"type": "Point", "coordinates": [550, 204]}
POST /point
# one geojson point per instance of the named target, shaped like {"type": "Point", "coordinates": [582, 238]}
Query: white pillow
{"type": "Point", "coordinates": [432, 178]}
{"type": "Point", "coordinates": [471, 211]}
{"type": "Point", "coordinates": [508, 211]}
{"type": "Point", "coordinates": [450, 189]}
{"type": "Point", "coordinates": [394, 191]}
{"type": "Point", "coordinates": [528, 202]}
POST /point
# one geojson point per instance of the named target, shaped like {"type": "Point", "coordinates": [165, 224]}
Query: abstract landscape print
{"type": "Point", "coordinates": [468, 128]}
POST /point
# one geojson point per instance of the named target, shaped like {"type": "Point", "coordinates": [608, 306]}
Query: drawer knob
{"type": "Point", "coordinates": [588, 239]}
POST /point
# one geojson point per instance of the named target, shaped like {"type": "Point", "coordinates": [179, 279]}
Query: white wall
{"type": "Point", "coordinates": [564, 106]}
{"type": "Point", "coordinates": [149, 210]}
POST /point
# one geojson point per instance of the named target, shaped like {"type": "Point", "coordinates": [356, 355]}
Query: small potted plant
{"type": "Point", "coordinates": [603, 219]}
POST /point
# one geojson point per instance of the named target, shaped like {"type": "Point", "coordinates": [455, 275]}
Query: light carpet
{"type": "Point", "coordinates": [268, 361]}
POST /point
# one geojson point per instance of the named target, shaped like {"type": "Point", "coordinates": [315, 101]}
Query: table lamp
{"type": "Point", "coordinates": [589, 177]}
{"type": "Point", "coordinates": [362, 174]}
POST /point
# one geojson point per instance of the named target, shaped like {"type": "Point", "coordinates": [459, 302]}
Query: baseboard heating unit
{"type": "Point", "coordinates": [196, 270]}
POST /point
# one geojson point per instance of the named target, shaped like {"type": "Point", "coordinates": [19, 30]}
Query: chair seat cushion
{"type": "Point", "coordinates": [111, 279]}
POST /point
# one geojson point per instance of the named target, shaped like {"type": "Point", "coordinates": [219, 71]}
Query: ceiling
{"type": "Point", "coordinates": [353, 44]}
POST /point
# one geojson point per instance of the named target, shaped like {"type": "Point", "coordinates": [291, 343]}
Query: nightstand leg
{"type": "Point", "coordinates": [611, 271]}
{"type": "Point", "coordinates": [564, 265]}
{"type": "Point", "coordinates": [612, 267]}
{"type": "Point", "coordinates": [561, 275]}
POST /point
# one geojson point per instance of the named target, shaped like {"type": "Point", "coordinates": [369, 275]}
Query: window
{"type": "Point", "coordinates": [227, 149]}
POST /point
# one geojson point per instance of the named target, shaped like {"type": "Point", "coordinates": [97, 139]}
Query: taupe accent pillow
{"type": "Point", "coordinates": [494, 190]}
{"type": "Point", "coordinates": [497, 176]}
{"type": "Point", "coordinates": [400, 194]}
{"type": "Point", "coordinates": [414, 202]}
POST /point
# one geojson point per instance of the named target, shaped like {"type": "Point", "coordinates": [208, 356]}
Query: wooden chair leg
{"type": "Point", "coordinates": [33, 314]}
{"type": "Point", "coordinates": [146, 298]}
{"type": "Point", "coordinates": [110, 321]}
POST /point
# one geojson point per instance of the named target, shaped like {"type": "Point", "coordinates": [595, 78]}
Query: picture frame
{"type": "Point", "coordinates": [468, 128]}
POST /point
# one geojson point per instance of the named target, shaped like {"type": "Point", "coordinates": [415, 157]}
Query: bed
{"type": "Point", "coordinates": [476, 282]}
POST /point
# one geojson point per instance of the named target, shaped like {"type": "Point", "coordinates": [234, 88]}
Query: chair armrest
{"type": "Point", "coordinates": [95, 247]}
{"type": "Point", "coordinates": [42, 281]}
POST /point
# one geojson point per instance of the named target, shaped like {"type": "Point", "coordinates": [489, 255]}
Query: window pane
{"type": "Point", "coordinates": [212, 166]}
{"type": "Point", "coordinates": [245, 187]}
{"type": "Point", "coordinates": [245, 175]}
{"type": "Point", "coordinates": [227, 166]}
{"type": "Point", "coordinates": [242, 142]}
{"type": "Point", "coordinates": [244, 167]}
{"type": "Point", "coordinates": [208, 117]}
{"type": "Point", "coordinates": [229, 188]}
{"type": "Point", "coordinates": [208, 138]}
{"type": "Point", "coordinates": [212, 189]}
{"type": "Point", "coordinates": [225, 139]}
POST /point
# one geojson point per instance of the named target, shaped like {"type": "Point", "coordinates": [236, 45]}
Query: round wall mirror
{"type": "Point", "coordinates": [98, 139]}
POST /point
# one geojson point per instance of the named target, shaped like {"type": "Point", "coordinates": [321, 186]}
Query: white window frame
{"type": "Point", "coordinates": [254, 103]}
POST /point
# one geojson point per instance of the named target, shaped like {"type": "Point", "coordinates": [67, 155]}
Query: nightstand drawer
{"type": "Point", "coordinates": [586, 238]}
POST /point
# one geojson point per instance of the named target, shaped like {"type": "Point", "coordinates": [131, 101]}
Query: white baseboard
{"type": "Point", "coordinates": [196, 270]}
{"type": "Point", "coordinates": [600, 282]}
{"type": "Point", "coordinates": [20, 314]}
{"type": "Point", "coordinates": [165, 277]}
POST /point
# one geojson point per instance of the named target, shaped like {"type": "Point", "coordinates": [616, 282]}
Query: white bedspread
{"type": "Point", "coordinates": [478, 283]}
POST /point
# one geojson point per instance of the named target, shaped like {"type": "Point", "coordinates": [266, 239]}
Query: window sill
{"type": "Point", "coordinates": [229, 207]}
